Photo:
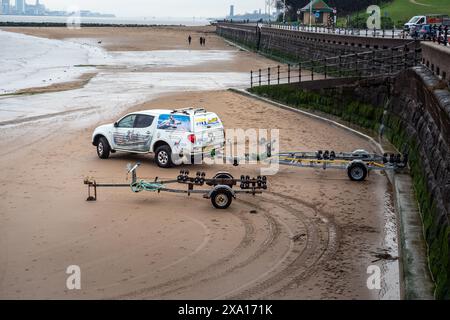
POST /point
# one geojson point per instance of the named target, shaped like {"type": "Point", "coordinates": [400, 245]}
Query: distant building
{"type": "Point", "coordinates": [20, 6]}
{"type": "Point", "coordinates": [231, 11]}
{"type": "Point", "coordinates": [6, 7]}
{"type": "Point", "coordinates": [321, 13]}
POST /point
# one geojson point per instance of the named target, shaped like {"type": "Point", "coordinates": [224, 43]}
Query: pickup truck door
{"type": "Point", "coordinates": [134, 133]}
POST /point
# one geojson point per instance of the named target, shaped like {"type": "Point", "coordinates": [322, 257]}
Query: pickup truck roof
{"type": "Point", "coordinates": [186, 111]}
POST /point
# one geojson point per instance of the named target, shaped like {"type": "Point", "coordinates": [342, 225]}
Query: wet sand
{"type": "Point", "coordinates": [312, 236]}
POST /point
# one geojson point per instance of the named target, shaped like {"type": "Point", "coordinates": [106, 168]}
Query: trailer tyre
{"type": "Point", "coordinates": [221, 198]}
{"type": "Point", "coordinates": [103, 148]}
{"type": "Point", "coordinates": [223, 175]}
{"type": "Point", "coordinates": [357, 171]}
{"type": "Point", "coordinates": [163, 156]}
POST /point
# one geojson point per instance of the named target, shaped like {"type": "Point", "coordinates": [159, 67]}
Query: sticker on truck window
{"type": "Point", "coordinates": [203, 122]}
{"type": "Point", "coordinates": [174, 122]}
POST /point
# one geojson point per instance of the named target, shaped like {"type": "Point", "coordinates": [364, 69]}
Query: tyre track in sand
{"type": "Point", "coordinates": [320, 244]}
{"type": "Point", "coordinates": [214, 270]}
{"type": "Point", "coordinates": [298, 259]}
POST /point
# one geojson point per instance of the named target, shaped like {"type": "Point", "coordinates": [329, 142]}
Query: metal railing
{"type": "Point", "coordinates": [364, 64]}
{"type": "Point", "coordinates": [356, 32]}
{"type": "Point", "coordinates": [441, 35]}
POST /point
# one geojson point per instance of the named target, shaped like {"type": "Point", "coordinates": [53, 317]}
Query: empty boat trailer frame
{"type": "Point", "coordinates": [358, 164]}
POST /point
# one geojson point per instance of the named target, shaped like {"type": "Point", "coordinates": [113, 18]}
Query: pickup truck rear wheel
{"type": "Point", "coordinates": [103, 148]}
{"type": "Point", "coordinates": [163, 157]}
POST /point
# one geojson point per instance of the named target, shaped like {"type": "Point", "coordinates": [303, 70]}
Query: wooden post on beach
{"type": "Point", "coordinates": [251, 79]}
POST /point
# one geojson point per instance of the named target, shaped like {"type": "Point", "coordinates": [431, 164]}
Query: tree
{"type": "Point", "coordinates": [344, 7]}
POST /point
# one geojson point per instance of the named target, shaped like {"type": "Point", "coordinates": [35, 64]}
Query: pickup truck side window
{"type": "Point", "coordinates": [127, 122]}
{"type": "Point", "coordinates": [143, 121]}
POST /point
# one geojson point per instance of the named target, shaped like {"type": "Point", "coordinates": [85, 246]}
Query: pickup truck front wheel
{"type": "Point", "coordinates": [103, 148]}
{"type": "Point", "coordinates": [163, 156]}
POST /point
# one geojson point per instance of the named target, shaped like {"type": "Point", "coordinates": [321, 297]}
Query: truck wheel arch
{"type": "Point", "coordinates": [158, 144]}
{"type": "Point", "coordinates": [97, 138]}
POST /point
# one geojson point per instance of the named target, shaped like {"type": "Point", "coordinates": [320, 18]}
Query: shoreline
{"type": "Point", "coordinates": [91, 25]}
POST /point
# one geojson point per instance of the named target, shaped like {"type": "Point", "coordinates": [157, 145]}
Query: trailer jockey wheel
{"type": "Point", "coordinates": [221, 198]}
{"type": "Point", "coordinates": [357, 171]}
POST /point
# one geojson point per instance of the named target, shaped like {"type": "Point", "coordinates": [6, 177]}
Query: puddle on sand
{"type": "Point", "coordinates": [110, 93]}
{"type": "Point", "coordinates": [32, 62]}
{"type": "Point", "coordinates": [27, 61]}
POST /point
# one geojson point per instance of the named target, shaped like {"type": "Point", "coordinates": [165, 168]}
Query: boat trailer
{"type": "Point", "coordinates": [221, 192]}
{"type": "Point", "coordinates": [358, 163]}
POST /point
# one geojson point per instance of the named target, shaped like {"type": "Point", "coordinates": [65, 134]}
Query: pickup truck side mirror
{"type": "Point", "coordinates": [116, 124]}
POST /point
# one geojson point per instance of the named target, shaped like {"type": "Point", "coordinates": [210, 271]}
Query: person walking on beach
{"type": "Point", "coordinates": [201, 41]}
{"type": "Point", "coordinates": [204, 41]}
{"type": "Point", "coordinates": [189, 39]}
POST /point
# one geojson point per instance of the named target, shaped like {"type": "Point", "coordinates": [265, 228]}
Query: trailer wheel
{"type": "Point", "coordinates": [357, 171]}
{"type": "Point", "coordinates": [103, 148]}
{"type": "Point", "coordinates": [223, 175]}
{"type": "Point", "coordinates": [221, 198]}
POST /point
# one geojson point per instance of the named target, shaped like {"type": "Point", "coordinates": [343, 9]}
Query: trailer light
{"type": "Point", "coordinates": [192, 138]}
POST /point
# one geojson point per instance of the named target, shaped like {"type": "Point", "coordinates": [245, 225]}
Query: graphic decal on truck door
{"type": "Point", "coordinates": [134, 133]}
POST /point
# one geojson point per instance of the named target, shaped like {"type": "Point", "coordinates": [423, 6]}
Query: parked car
{"type": "Point", "coordinates": [174, 136]}
{"type": "Point", "coordinates": [417, 22]}
{"type": "Point", "coordinates": [427, 32]}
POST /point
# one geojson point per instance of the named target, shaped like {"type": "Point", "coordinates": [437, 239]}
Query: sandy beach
{"type": "Point", "coordinates": [311, 236]}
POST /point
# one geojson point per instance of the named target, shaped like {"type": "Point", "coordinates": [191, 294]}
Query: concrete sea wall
{"type": "Point", "coordinates": [412, 110]}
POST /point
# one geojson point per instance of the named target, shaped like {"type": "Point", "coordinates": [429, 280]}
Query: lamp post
{"type": "Point", "coordinates": [284, 11]}
{"type": "Point", "coordinates": [310, 13]}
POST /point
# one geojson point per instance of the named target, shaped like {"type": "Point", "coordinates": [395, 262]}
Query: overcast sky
{"type": "Point", "coordinates": [158, 8]}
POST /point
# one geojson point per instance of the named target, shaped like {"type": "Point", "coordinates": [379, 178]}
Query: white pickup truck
{"type": "Point", "coordinates": [417, 22]}
{"type": "Point", "coordinates": [174, 136]}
